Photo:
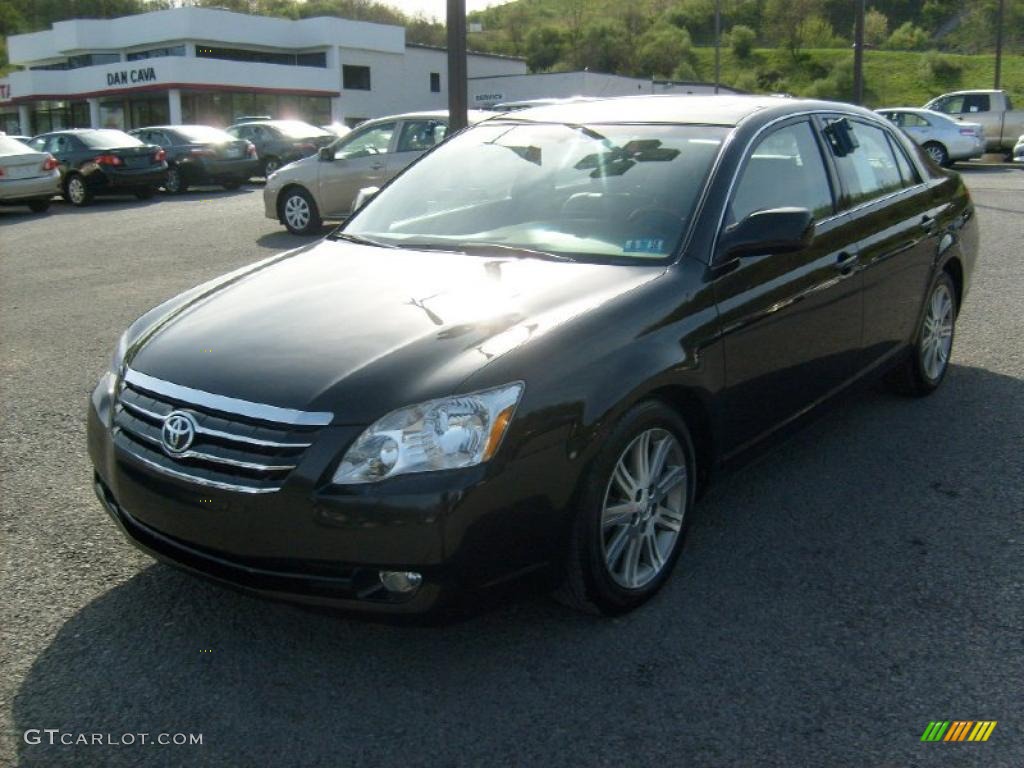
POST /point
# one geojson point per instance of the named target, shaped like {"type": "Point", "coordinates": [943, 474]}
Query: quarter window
{"type": "Point", "coordinates": [785, 169]}
{"type": "Point", "coordinates": [870, 170]}
{"type": "Point", "coordinates": [907, 171]}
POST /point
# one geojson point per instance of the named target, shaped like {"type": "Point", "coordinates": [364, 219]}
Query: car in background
{"type": "Point", "coordinates": [515, 106]}
{"type": "Point", "coordinates": [338, 129]}
{"type": "Point", "coordinates": [991, 108]}
{"type": "Point", "coordinates": [279, 142]}
{"type": "Point", "coordinates": [17, 137]}
{"type": "Point", "coordinates": [199, 154]}
{"type": "Point", "coordinates": [101, 161]}
{"type": "Point", "coordinates": [325, 186]}
{"type": "Point", "coordinates": [27, 177]}
{"type": "Point", "coordinates": [1018, 150]}
{"type": "Point", "coordinates": [944, 139]}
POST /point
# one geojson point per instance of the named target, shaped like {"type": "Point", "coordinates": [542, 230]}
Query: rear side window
{"type": "Point", "coordinates": [785, 169]}
{"type": "Point", "coordinates": [421, 135]}
{"type": "Point", "coordinates": [977, 102]}
{"type": "Point", "coordinates": [870, 170]}
{"type": "Point", "coordinates": [907, 171]}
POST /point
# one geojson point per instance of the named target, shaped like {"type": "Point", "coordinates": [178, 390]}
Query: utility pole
{"type": "Point", "coordinates": [718, 43]}
{"type": "Point", "coordinates": [999, 44]}
{"type": "Point", "coordinates": [457, 77]}
{"type": "Point", "coordinates": [858, 55]}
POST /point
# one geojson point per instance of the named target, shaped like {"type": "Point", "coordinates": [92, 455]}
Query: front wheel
{"type": "Point", "coordinates": [631, 520]}
{"type": "Point", "coordinates": [299, 212]}
{"type": "Point", "coordinates": [923, 372]}
{"type": "Point", "coordinates": [76, 191]}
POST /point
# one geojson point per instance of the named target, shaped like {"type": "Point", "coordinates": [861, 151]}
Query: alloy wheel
{"type": "Point", "coordinates": [937, 333]}
{"type": "Point", "coordinates": [296, 212]}
{"type": "Point", "coordinates": [76, 190]}
{"type": "Point", "coordinates": [644, 506]}
{"type": "Point", "coordinates": [936, 153]}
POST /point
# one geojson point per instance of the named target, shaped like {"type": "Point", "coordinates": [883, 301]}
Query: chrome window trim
{"type": "Point", "coordinates": [246, 408]}
{"type": "Point", "coordinates": [877, 119]}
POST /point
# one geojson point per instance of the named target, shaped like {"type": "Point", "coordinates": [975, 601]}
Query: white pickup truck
{"type": "Point", "coordinates": [993, 109]}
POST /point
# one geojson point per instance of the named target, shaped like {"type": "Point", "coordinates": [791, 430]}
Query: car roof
{"type": "Point", "coordinates": [475, 116]}
{"type": "Point", "coordinates": [726, 110]}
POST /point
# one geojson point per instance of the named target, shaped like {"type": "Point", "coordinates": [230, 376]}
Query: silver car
{"type": "Point", "coordinates": [1018, 150]}
{"type": "Point", "coordinates": [324, 186]}
{"type": "Point", "coordinates": [27, 177]}
{"type": "Point", "coordinates": [944, 139]}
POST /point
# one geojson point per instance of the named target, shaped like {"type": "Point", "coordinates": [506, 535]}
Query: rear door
{"type": "Point", "coordinates": [414, 138]}
{"type": "Point", "coordinates": [360, 160]}
{"type": "Point", "coordinates": [892, 210]}
{"type": "Point", "coordinates": [791, 323]}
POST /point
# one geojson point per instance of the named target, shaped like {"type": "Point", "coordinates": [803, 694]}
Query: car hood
{"type": "Point", "coordinates": [360, 330]}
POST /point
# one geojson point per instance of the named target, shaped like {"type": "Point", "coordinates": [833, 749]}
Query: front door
{"type": "Point", "coordinates": [790, 323]}
{"type": "Point", "coordinates": [360, 160]}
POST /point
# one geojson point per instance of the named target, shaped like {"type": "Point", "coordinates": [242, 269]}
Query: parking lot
{"type": "Point", "coordinates": [834, 597]}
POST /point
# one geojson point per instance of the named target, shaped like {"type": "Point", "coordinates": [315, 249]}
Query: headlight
{"type": "Point", "coordinates": [449, 433]}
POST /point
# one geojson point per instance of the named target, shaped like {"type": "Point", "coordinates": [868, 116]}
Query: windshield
{"type": "Point", "coordinates": [108, 139]}
{"type": "Point", "coordinates": [621, 193]}
{"type": "Point", "coordinates": [296, 129]}
{"type": "Point", "coordinates": [204, 133]}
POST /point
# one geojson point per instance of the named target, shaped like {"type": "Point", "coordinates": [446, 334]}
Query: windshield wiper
{"type": "Point", "coordinates": [360, 240]}
{"type": "Point", "coordinates": [515, 251]}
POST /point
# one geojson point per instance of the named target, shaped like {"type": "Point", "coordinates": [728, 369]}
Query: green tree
{"type": "Point", "coordinates": [741, 41]}
{"type": "Point", "coordinates": [876, 27]}
{"type": "Point", "coordinates": [789, 20]}
{"type": "Point", "coordinates": [604, 47]}
{"type": "Point", "coordinates": [661, 50]}
{"type": "Point", "coordinates": [908, 37]}
{"type": "Point", "coordinates": [544, 47]}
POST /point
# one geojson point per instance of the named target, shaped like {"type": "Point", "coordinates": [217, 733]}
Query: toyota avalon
{"type": "Point", "coordinates": [530, 352]}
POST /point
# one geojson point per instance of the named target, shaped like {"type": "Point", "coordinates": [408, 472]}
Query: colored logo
{"type": "Point", "coordinates": [178, 432]}
{"type": "Point", "coordinates": [958, 730]}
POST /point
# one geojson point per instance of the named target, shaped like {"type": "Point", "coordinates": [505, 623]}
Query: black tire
{"type": "Point", "coordinates": [912, 377]}
{"type": "Point", "coordinates": [38, 206]}
{"type": "Point", "coordinates": [76, 191]}
{"type": "Point", "coordinates": [145, 193]}
{"type": "Point", "coordinates": [937, 152]}
{"type": "Point", "coordinates": [588, 583]}
{"type": "Point", "coordinates": [271, 164]}
{"type": "Point", "coordinates": [297, 211]}
{"type": "Point", "coordinates": [175, 184]}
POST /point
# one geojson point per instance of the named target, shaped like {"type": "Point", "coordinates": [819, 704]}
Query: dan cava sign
{"type": "Point", "coordinates": [132, 76]}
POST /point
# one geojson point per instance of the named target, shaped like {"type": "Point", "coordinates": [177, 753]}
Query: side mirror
{"type": "Point", "coordinates": [779, 230]}
{"type": "Point", "coordinates": [365, 195]}
{"type": "Point", "coordinates": [326, 154]}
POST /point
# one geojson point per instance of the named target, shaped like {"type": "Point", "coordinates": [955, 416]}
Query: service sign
{"type": "Point", "coordinates": [130, 77]}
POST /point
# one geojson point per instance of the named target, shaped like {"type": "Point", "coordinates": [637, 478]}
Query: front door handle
{"type": "Point", "coordinates": [927, 223]}
{"type": "Point", "coordinates": [845, 261]}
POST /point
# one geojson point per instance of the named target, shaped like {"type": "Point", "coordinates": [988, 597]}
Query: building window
{"type": "Point", "coordinates": [435, 82]}
{"type": "Point", "coordinates": [154, 53]}
{"type": "Point", "coordinates": [92, 59]}
{"type": "Point", "coordinates": [355, 78]}
{"type": "Point", "coordinates": [316, 59]}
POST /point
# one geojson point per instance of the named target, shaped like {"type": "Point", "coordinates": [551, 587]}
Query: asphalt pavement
{"type": "Point", "coordinates": [835, 597]}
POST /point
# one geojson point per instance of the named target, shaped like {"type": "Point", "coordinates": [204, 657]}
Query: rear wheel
{"type": "Point", "coordinates": [38, 206]}
{"type": "Point", "coordinates": [298, 211]}
{"type": "Point", "coordinates": [632, 515]}
{"type": "Point", "coordinates": [937, 152]}
{"type": "Point", "coordinates": [923, 372]}
{"type": "Point", "coordinates": [270, 165]}
{"type": "Point", "coordinates": [175, 183]}
{"type": "Point", "coordinates": [76, 191]}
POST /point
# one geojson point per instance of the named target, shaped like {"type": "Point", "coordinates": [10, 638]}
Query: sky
{"type": "Point", "coordinates": [437, 8]}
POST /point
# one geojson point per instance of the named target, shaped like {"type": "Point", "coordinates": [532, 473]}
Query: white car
{"type": "Point", "coordinates": [27, 177]}
{"type": "Point", "coordinates": [1018, 150]}
{"type": "Point", "coordinates": [946, 140]}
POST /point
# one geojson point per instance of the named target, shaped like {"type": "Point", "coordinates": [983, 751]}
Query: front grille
{"type": "Point", "coordinates": [230, 451]}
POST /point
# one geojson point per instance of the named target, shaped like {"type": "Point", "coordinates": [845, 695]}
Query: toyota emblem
{"type": "Point", "coordinates": [178, 432]}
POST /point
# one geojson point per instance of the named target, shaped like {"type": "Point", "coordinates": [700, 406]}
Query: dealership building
{"type": "Point", "coordinates": [200, 65]}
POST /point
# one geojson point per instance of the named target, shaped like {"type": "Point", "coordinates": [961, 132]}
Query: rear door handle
{"type": "Point", "coordinates": [927, 223]}
{"type": "Point", "coordinates": [845, 261]}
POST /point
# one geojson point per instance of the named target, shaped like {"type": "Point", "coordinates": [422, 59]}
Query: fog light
{"type": "Point", "coordinates": [401, 581]}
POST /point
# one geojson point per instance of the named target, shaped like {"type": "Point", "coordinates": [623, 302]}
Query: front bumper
{"type": "Point", "coordinates": [311, 542]}
{"type": "Point", "coordinates": [40, 187]}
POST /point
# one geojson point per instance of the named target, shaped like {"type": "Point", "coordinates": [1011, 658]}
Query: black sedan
{"type": "Point", "coordinates": [531, 351]}
{"type": "Point", "coordinates": [199, 154]}
{"type": "Point", "coordinates": [279, 142]}
{"type": "Point", "coordinates": [97, 161]}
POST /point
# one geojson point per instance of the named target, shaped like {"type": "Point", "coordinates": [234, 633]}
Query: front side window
{"type": "Point", "coordinates": [870, 170]}
{"type": "Point", "coordinates": [421, 135]}
{"type": "Point", "coordinates": [607, 193]}
{"type": "Point", "coordinates": [372, 141]}
{"type": "Point", "coordinates": [784, 170]}
{"type": "Point", "coordinates": [951, 105]}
